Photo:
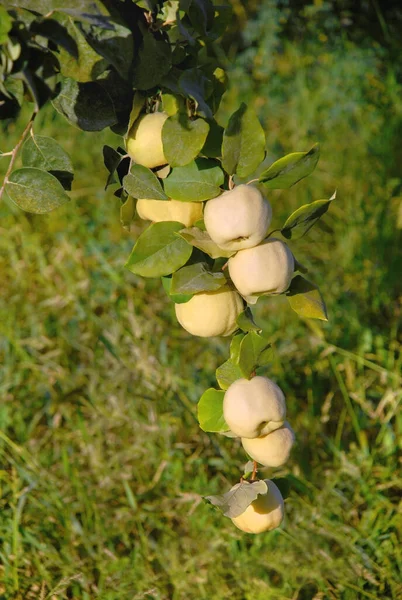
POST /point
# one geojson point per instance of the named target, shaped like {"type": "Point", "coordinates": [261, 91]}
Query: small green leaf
{"type": "Point", "coordinates": [199, 180]}
{"type": "Point", "coordinates": [290, 169]}
{"type": "Point", "coordinates": [35, 191]}
{"type": "Point", "coordinates": [243, 147]}
{"type": "Point", "coordinates": [195, 85]}
{"type": "Point", "coordinates": [111, 160]}
{"type": "Point", "coordinates": [177, 298]}
{"type": "Point", "coordinates": [152, 62]}
{"type": "Point", "coordinates": [142, 183]}
{"type": "Point", "coordinates": [85, 105]}
{"type": "Point", "coordinates": [210, 411]}
{"type": "Point", "coordinates": [201, 239]}
{"type": "Point", "coordinates": [159, 251]}
{"type": "Point", "coordinates": [305, 299]}
{"type": "Point", "coordinates": [302, 220]}
{"type": "Point", "coordinates": [196, 278]}
{"type": "Point", "coordinates": [127, 212]}
{"type": "Point", "coordinates": [246, 322]}
{"type": "Point", "coordinates": [45, 153]}
{"type": "Point", "coordinates": [251, 347]}
{"type": "Point", "coordinates": [227, 373]}
{"type": "Point", "coordinates": [236, 500]}
{"type": "Point", "coordinates": [5, 25]}
{"type": "Point", "coordinates": [183, 139]}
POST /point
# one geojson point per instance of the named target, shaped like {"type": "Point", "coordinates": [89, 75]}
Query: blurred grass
{"type": "Point", "coordinates": [103, 466]}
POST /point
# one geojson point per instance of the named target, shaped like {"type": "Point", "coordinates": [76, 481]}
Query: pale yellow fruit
{"type": "Point", "coordinates": [170, 210]}
{"type": "Point", "coordinates": [265, 513]}
{"type": "Point", "coordinates": [238, 218]}
{"type": "Point", "coordinates": [254, 407]}
{"type": "Point", "coordinates": [210, 313]}
{"type": "Point", "coordinates": [144, 142]}
{"type": "Point", "coordinates": [271, 450]}
{"type": "Point", "coordinates": [265, 269]}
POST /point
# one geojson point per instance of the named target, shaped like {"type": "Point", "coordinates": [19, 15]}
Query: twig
{"type": "Point", "coordinates": [253, 476]}
{"type": "Point", "coordinates": [15, 151]}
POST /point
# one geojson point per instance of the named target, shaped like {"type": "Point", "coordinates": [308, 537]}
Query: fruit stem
{"type": "Point", "coordinates": [254, 473]}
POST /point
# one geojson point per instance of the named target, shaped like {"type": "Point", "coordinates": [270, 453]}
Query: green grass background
{"type": "Point", "coordinates": [103, 466]}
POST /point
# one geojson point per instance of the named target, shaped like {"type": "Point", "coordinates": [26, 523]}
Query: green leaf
{"type": "Point", "coordinates": [246, 322]}
{"type": "Point", "coordinates": [138, 103]}
{"type": "Point", "coordinates": [243, 147]}
{"type": "Point", "coordinates": [183, 139]}
{"type": "Point", "coordinates": [159, 251]}
{"type": "Point", "coordinates": [302, 220]}
{"type": "Point", "coordinates": [111, 160]}
{"type": "Point", "coordinates": [35, 191]}
{"type": "Point", "coordinates": [152, 62]}
{"type": "Point", "coordinates": [305, 299]}
{"type": "Point", "coordinates": [201, 239]}
{"type": "Point", "coordinates": [236, 500]}
{"type": "Point", "coordinates": [228, 373]}
{"type": "Point", "coordinates": [235, 347]}
{"type": "Point", "coordinates": [290, 169]}
{"type": "Point", "coordinates": [199, 180]}
{"type": "Point", "coordinates": [5, 25]}
{"type": "Point", "coordinates": [85, 105]}
{"type": "Point", "coordinates": [195, 85]}
{"type": "Point", "coordinates": [45, 153]}
{"type": "Point", "coordinates": [210, 411]}
{"type": "Point", "coordinates": [142, 183]}
{"type": "Point", "coordinates": [251, 347]}
{"type": "Point", "coordinates": [115, 45]}
{"type": "Point", "coordinates": [177, 298]}
{"type": "Point", "coordinates": [127, 212]}
{"type": "Point", "coordinates": [196, 278]}
{"type": "Point", "coordinates": [213, 144]}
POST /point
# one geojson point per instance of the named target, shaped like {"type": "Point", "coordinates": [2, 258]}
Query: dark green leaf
{"type": "Point", "coordinates": [138, 103]}
{"type": "Point", "coordinates": [196, 278]}
{"type": "Point", "coordinates": [305, 299]}
{"type": "Point", "coordinates": [235, 502]}
{"type": "Point", "coordinates": [159, 251]}
{"type": "Point", "coordinates": [35, 191]}
{"type": "Point", "coordinates": [195, 85]}
{"type": "Point", "coordinates": [243, 147]}
{"type": "Point", "coordinates": [213, 144]}
{"type": "Point", "coordinates": [210, 411]}
{"type": "Point", "coordinates": [246, 321]}
{"type": "Point", "coordinates": [85, 105]}
{"type": "Point", "coordinates": [201, 239]}
{"type": "Point", "coordinates": [302, 220]}
{"type": "Point", "coordinates": [227, 374]}
{"type": "Point", "coordinates": [290, 169]}
{"type": "Point", "coordinates": [142, 183]}
{"type": "Point", "coordinates": [115, 45]}
{"type": "Point", "coordinates": [177, 298]}
{"type": "Point", "coordinates": [199, 180]}
{"type": "Point", "coordinates": [152, 63]}
{"type": "Point", "coordinates": [183, 139]}
{"type": "Point", "coordinates": [111, 160]}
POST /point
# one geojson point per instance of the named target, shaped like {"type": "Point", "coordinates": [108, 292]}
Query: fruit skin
{"type": "Point", "coordinates": [170, 210]}
{"type": "Point", "coordinates": [255, 407]}
{"type": "Point", "coordinates": [271, 450]}
{"type": "Point", "coordinates": [265, 269]}
{"type": "Point", "coordinates": [144, 141]}
{"type": "Point", "coordinates": [239, 213]}
{"type": "Point", "coordinates": [210, 313]}
{"type": "Point", "coordinates": [265, 513]}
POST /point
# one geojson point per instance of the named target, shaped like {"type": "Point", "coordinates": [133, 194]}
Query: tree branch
{"type": "Point", "coordinates": [15, 151]}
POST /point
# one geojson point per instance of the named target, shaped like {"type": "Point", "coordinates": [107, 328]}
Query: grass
{"type": "Point", "coordinates": [103, 466]}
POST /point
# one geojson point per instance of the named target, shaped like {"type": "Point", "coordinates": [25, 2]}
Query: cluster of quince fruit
{"type": "Point", "coordinates": [237, 221]}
